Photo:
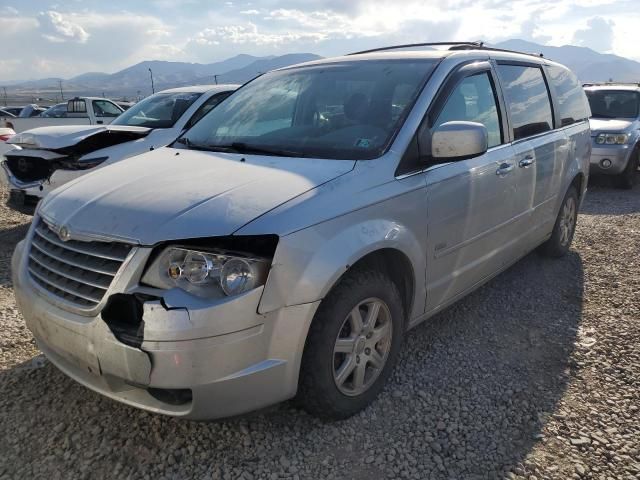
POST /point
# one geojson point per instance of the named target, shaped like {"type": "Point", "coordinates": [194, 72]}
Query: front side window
{"type": "Point", "coordinates": [161, 110]}
{"type": "Point", "coordinates": [347, 110]}
{"type": "Point", "coordinates": [474, 100]}
{"type": "Point", "coordinates": [613, 103]}
{"type": "Point", "coordinates": [527, 99]}
{"type": "Point", "coordinates": [102, 108]}
{"type": "Point", "coordinates": [571, 98]}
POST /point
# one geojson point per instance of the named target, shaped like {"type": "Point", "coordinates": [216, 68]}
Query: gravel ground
{"type": "Point", "coordinates": [536, 375]}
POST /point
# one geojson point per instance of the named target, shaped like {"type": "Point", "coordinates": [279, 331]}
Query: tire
{"type": "Point", "coordinates": [565, 227]}
{"type": "Point", "coordinates": [627, 178]}
{"type": "Point", "coordinates": [329, 386]}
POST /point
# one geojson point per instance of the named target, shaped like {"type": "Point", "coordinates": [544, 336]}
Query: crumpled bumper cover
{"type": "Point", "coordinates": [227, 374]}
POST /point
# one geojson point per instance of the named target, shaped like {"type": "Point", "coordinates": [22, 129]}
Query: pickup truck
{"type": "Point", "coordinates": [80, 111]}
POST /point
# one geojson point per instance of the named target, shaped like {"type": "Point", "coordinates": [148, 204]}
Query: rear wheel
{"type": "Point", "coordinates": [564, 228]}
{"type": "Point", "coordinates": [352, 345]}
{"type": "Point", "coordinates": [628, 177]}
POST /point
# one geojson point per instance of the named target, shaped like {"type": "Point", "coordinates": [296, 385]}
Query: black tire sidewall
{"type": "Point", "coordinates": [553, 247]}
{"type": "Point", "coordinates": [318, 392]}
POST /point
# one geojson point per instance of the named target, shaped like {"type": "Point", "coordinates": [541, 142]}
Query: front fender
{"type": "Point", "coordinates": [308, 263]}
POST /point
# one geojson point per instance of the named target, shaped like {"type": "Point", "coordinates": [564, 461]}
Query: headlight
{"type": "Point", "coordinates": [613, 138]}
{"type": "Point", "coordinates": [206, 274]}
{"type": "Point", "coordinates": [26, 140]}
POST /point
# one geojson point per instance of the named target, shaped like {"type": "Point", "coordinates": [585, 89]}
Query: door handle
{"type": "Point", "coordinates": [527, 161]}
{"type": "Point", "coordinates": [99, 122]}
{"type": "Point", "coordinates": [504, 169]}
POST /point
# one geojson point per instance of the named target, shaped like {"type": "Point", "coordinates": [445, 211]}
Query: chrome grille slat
{"type": "Point", "coordinates": [75, 246]}
{"type": "Point", "coordinates": [59, 270]}
{"type": "Point", "coordinates": [78, 264]}
{"type": "Point", "coordinates": [80, 273]}
{"type": "Point", "coordinates": [64, 288]}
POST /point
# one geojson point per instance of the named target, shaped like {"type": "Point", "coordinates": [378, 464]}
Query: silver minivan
{"type": "Point", "coordinates": [285, 245]}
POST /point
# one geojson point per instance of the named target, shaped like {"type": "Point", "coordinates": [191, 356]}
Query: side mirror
{"type": "Point", "coordinates": [458, 141]}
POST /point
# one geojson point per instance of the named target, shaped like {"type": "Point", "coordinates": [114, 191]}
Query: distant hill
{"type": "Point", "coordinates": [136, 80]}
{"type": "Point", "coordinates": [587, 64]}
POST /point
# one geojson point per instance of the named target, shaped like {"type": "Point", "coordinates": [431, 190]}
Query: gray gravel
{"type": "Point", "coordinates": [536, 375]}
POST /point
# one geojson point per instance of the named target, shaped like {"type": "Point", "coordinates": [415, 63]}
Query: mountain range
{"type": "Point", "coordinates": [136, 80]}
{"type": "Point", "coordinates": [587, 64]}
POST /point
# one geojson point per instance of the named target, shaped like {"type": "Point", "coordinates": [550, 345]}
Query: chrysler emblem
{"type": "Point", "coordinates": [64, 234]}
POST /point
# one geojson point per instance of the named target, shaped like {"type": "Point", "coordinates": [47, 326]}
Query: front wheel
{"type": "Point", "coordinates": [563, 230]}
{"type": "Point", "coordinates": [352, 345]}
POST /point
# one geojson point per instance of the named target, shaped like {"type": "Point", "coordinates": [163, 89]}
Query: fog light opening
{"type": "Point", "coordinates": [605, 163]}
{"type": "Point", "coordinates": [171, 396]}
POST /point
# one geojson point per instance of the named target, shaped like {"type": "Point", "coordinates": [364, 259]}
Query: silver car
{"type": "Point", "coordinates": [285, 244]}
{"type": "Point", "coordinates": [615, 130]}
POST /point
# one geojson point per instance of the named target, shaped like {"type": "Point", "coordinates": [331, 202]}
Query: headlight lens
{"type": "Point", "coordinates": [613, 138]}
{"type": "Point", "coordinates": [206, 274]}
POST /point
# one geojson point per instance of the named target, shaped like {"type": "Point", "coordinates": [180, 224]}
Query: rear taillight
{"type": "Point", "coordinates": [4, 138]}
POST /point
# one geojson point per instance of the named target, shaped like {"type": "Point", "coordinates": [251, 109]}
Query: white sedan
{"type": "Point", "coordinates": [48, 157]}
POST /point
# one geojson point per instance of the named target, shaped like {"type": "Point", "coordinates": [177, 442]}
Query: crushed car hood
{"type": "Point", "coordinates": [172, 194]}
{"type": "Point", "coordinates": [599, 125]}
{"type": "Point", "coordinates": [61, 137]}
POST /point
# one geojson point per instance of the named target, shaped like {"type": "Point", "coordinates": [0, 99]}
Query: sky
{"type": "Point", "coordinates": [65, 38]}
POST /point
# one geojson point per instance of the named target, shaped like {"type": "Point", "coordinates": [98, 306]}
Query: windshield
{"type": "Point", "coordinates": [57, 111]}
{"type": "Point", "coordinates": [348, 110]}
{"type": "Point", "coordinates": [161, 110]}
{"type": "Point", "coordinates": [613, 104]}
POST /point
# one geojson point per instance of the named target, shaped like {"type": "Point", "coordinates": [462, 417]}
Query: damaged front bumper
{"type": "Point", "coordinates": [193, 359]}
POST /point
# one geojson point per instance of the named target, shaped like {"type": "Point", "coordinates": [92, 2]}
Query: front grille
{"type": "Point", "coordinates": [29, 169]}
{"type": "Point", "coordinates": [77, 272]}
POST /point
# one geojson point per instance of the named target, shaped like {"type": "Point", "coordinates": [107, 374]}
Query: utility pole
{"type": "Point", "coordinates": [153, 90]}
{"type": "Point", "coordinates": [215, 79]}
{"type": "Point", "coordinates": [5, 95]}
{"type": "Point", "coordinates": [61, 94]}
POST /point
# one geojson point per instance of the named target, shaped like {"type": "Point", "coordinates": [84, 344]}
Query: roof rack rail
{"type": "Point", "coordinates": [478, 45]}
{"type": "Point", "coordinates": [598, 84]}
{"type": "Point", "coordinates": [428, 44]}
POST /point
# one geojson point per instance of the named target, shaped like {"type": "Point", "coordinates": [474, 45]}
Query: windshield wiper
{"type": "Point", "coordinates": [205, 147]}
{"type": "Point", "coordinates": [242, 147]}
{"type": "Point", "coordinates": [239, 147]}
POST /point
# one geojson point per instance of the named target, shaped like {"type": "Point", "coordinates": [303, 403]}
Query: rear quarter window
{"type": "Point", "coordinates": [527, 99]}
{"type": "Point", "coordinates": [572, 101]}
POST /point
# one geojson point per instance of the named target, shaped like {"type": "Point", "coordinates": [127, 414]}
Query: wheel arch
{"type": "Point", "coordinates": [309, 264]}
{"type": "Point", "coordinates": [396, 265]}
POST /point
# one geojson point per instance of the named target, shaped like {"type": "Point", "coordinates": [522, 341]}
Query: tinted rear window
{"type": "Point", "coordinates": [572, 101]}
{"type": "Point", "coordinates": [527, 100]}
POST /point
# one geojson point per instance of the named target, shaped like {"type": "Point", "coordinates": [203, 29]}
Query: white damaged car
{"type": "Point", "coordinates": [47, 157]}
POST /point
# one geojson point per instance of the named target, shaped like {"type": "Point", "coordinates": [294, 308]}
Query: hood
{"type": "Point", "coordinates": [60, 137]}
{"type": "Point", "coordinates": [609, 125]}
{"type": "Point", "coordinates": [173, 194]}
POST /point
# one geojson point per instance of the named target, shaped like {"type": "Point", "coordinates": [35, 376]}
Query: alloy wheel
{"type": "Point", "coordinates": [362, 346]}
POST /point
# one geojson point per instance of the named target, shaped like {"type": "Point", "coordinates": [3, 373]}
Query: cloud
{"type": "Point", "coordinates": [599, 34]}
{"type": "Point", "coordinates": [74, 37]}
{"type": "Point", "coordinates": [8, 11]}
{"type": "Point", "coordinates": [249, 34]}
{"type": "Point", "coordinates": [56, 28]}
